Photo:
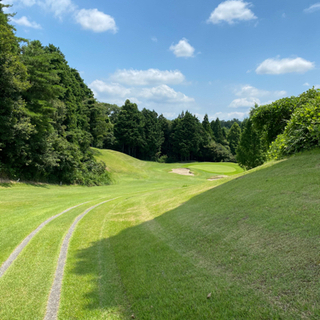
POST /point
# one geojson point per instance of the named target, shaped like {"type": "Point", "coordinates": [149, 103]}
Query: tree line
{"type": "Point", "coordinates": [149, 136]}
{"type": "Point", "coordinates": [48, 116]}
{"type": "Point", "coordinates": [49, 120]}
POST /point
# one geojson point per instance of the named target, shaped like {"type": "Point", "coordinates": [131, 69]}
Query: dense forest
{"type": "Point", "coordinates": [49, 120]}
{"type": "Point", "coordinates": [148, 136]}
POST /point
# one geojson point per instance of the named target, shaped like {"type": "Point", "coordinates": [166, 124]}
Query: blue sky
{"type": "Point", "coordinates": [205, 56]}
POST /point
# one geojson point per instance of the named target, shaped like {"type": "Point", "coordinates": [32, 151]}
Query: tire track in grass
{"type": "Point", "coordinates": [54, 297]}
{"type": "Point", "coordinates": [23, 244]}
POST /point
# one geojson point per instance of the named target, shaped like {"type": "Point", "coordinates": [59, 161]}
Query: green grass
{"type": "Point", "coordinates": [251, 240]}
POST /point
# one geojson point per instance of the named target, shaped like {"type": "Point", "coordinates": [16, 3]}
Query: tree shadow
{"type": "Point", "coordinates": [166, 267]}
{"type": "Point", "coordinates": [6, 184]}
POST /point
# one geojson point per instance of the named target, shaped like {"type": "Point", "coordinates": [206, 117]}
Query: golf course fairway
{"type": "Point", "coordinates": [160, 245]}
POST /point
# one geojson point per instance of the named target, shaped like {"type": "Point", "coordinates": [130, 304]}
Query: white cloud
{"type": "Point", "coordinates": [244, 102]}
{"type": "Point", "coordinates": [228, 115]}
{"type": "Point", "coordinates": [159, 97]}
{"type": "Point", "coordinates": [164, 93]}
{"type": "Point", "coordinates": [59, 7]}
{"type": "Point", "coordinates": [154, 39]}
{"type": "Point", "coordinates": [231, 11]}
{"type": "Point", "coordinates": [95, 20]}
{"type": "Point", "coordinates": [306, 84]}
{"type": "Point", "coordinates": [281, 66]}
{"type": "Point", "coordinates": [250, 91]}
{"type": "Point", "coordinates": [312, 8]}
{"type": "Point", "coordinates": [147, 77]}
{"type": "Point", "coordinates": [101, 88]}
{"type": "Point", "coordinates": [23, 21]}
{"type": "Point", "coordinates": [182, 49]}
{"type": "Point", "coordinates": [90, 19]}
{"type": "Point", "coordinates": [249, 96]}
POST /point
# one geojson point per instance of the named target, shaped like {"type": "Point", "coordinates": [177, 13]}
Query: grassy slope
{"type": "Point", "coordinates": [24, 206]}
{"type": "Point", "coordinates": [253, 243]}
{"type": "Point", "coordinates": [168, 241]}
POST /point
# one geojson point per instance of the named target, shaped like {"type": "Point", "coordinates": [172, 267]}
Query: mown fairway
{"type": "Point", "coordinates": [164, 242]}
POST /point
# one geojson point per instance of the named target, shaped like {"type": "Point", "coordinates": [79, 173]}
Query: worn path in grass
{"type": "Point", "coordinates": [26, 285]}
{"type": "Point", "coordinates": [54, 298]}
{"type": "Point", "coordinates": [170, 240]}
{"type": "Point", "coordinates": [22, 245]}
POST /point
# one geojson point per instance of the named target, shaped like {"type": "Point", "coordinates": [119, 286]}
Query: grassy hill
{"type": "Point", "coordinates": [167, 241]}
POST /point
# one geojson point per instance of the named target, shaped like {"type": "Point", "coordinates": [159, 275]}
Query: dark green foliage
{"type": "Point", "coordinates": [185, 136]}
{"type": "Point", "coordinates": [229, 123]}
{"type": "Point", "coordinates": [250, 151]}
{"type": "Point", "coordinates": [302, 131]}
{"type": "Point", "coordinates": [217, 132]}
{"type": "Point", "coordinates": [48, 115]}
{"type": "Point", "coordinates": [15, 125]}
{"type": "Point", "coordinates": [128, 129]}
{"type": "Point", "coordinates": [271, 119]}
{"type": "Point", "coordinates": [153, 135]}
{"type": "Point", "coordinates": [234, 137]}
{"type": "Point", "coordinates": [165, 126]}
{"type": "Point", "coordinates": [206, 125]}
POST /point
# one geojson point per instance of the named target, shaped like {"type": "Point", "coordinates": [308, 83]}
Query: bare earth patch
{"type": "Point", "coordinates": [217, 177]}
{"type": "Point", "coordinates": [183, 171]}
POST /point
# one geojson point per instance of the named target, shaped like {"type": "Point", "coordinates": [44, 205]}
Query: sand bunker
{"type": "Point", "coordinates": [183, 171]}
{"type": "Point", "coordinates": [217, 177]}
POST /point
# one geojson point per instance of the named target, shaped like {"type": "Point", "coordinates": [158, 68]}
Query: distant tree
{"type": "Point", "coordinates": [228, 123]}
{"type": "Point", "coordinates": [165, 126]}
{"type": "Point", "coordinates": [100, 125]}
{"type": "Point", "coordinates": [234, 137]}
{"type": "Point", "coordinates": [129, 129]}
{"type": "Point", "coordinates": [186, 136]}
{"type": "Point", "coordinates": [153, 135]}
{"type": "Point", "coordinates": [218, 133]}
{"type": "Point", "coordinates": [206, 125]}
{"type": "Point", "coordinates": [250, 151]}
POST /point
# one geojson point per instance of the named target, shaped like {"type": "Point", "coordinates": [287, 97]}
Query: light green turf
{"type": "Point", "coordinates": [218, 168]}
{"type": "Point", "coordinates": [170, 240]}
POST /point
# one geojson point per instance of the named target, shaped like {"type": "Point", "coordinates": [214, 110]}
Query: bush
{"type": "Point", "coordinates": [163, 159]}
{"type": "Point", "coordinates": [301, 133]}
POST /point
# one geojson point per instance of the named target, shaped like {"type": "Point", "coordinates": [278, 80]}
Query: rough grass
{"type": "Point", "coordinates": [170, 240]}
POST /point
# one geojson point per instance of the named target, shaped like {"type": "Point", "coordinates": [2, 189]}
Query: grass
{"type": "Point", "coordinates": [170, 240]}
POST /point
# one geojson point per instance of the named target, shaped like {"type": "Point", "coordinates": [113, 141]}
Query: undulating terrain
{"type": "Point", "coordinates": [168, 246]}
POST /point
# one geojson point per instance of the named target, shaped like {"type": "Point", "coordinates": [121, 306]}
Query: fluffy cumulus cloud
{"type": "Point", "coordinates": [248, 96]}
{"type": "Point", "coordinates": [183, 49]}
{"type": "Point", "coordinates": [23, 21]}
{"type": "Point", "coordinates": [250, 91]}
{"type": "Point", "coordinates": [95, 20]}
{"type": "Point", "coordinates": [58, 7]}
{"type": "Point", "coordinates": [164, 93]}
{"type": "Point", "coordinates": [147, 77]}
{"type": "Point", "coordinates": [111, 89]}
{"type": "Point", "coordinates": [149, 96]}
{"type": "Point", "coordinates": [90, 19]}
{"type": "Point", "coordinates": [312, 8]}
{"type": "Point", "coordinates": [232, 11]}
{"type": "Point", "coordinates": [282, 66]}
{"type": "Point", "coordinates": [244, 102]}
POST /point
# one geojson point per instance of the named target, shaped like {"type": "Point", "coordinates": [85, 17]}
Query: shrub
{"type": "Point", "coordinates": [301, 133]}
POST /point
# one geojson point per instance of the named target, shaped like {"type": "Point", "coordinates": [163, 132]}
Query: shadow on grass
{"type": "Point", "coordinates": [166, 267]}
{"type": "Point", "coordinates": [6, 184]}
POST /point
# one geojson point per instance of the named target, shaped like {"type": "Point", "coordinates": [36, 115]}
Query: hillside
{"type": "Point", "coordinates": [164, 242]}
